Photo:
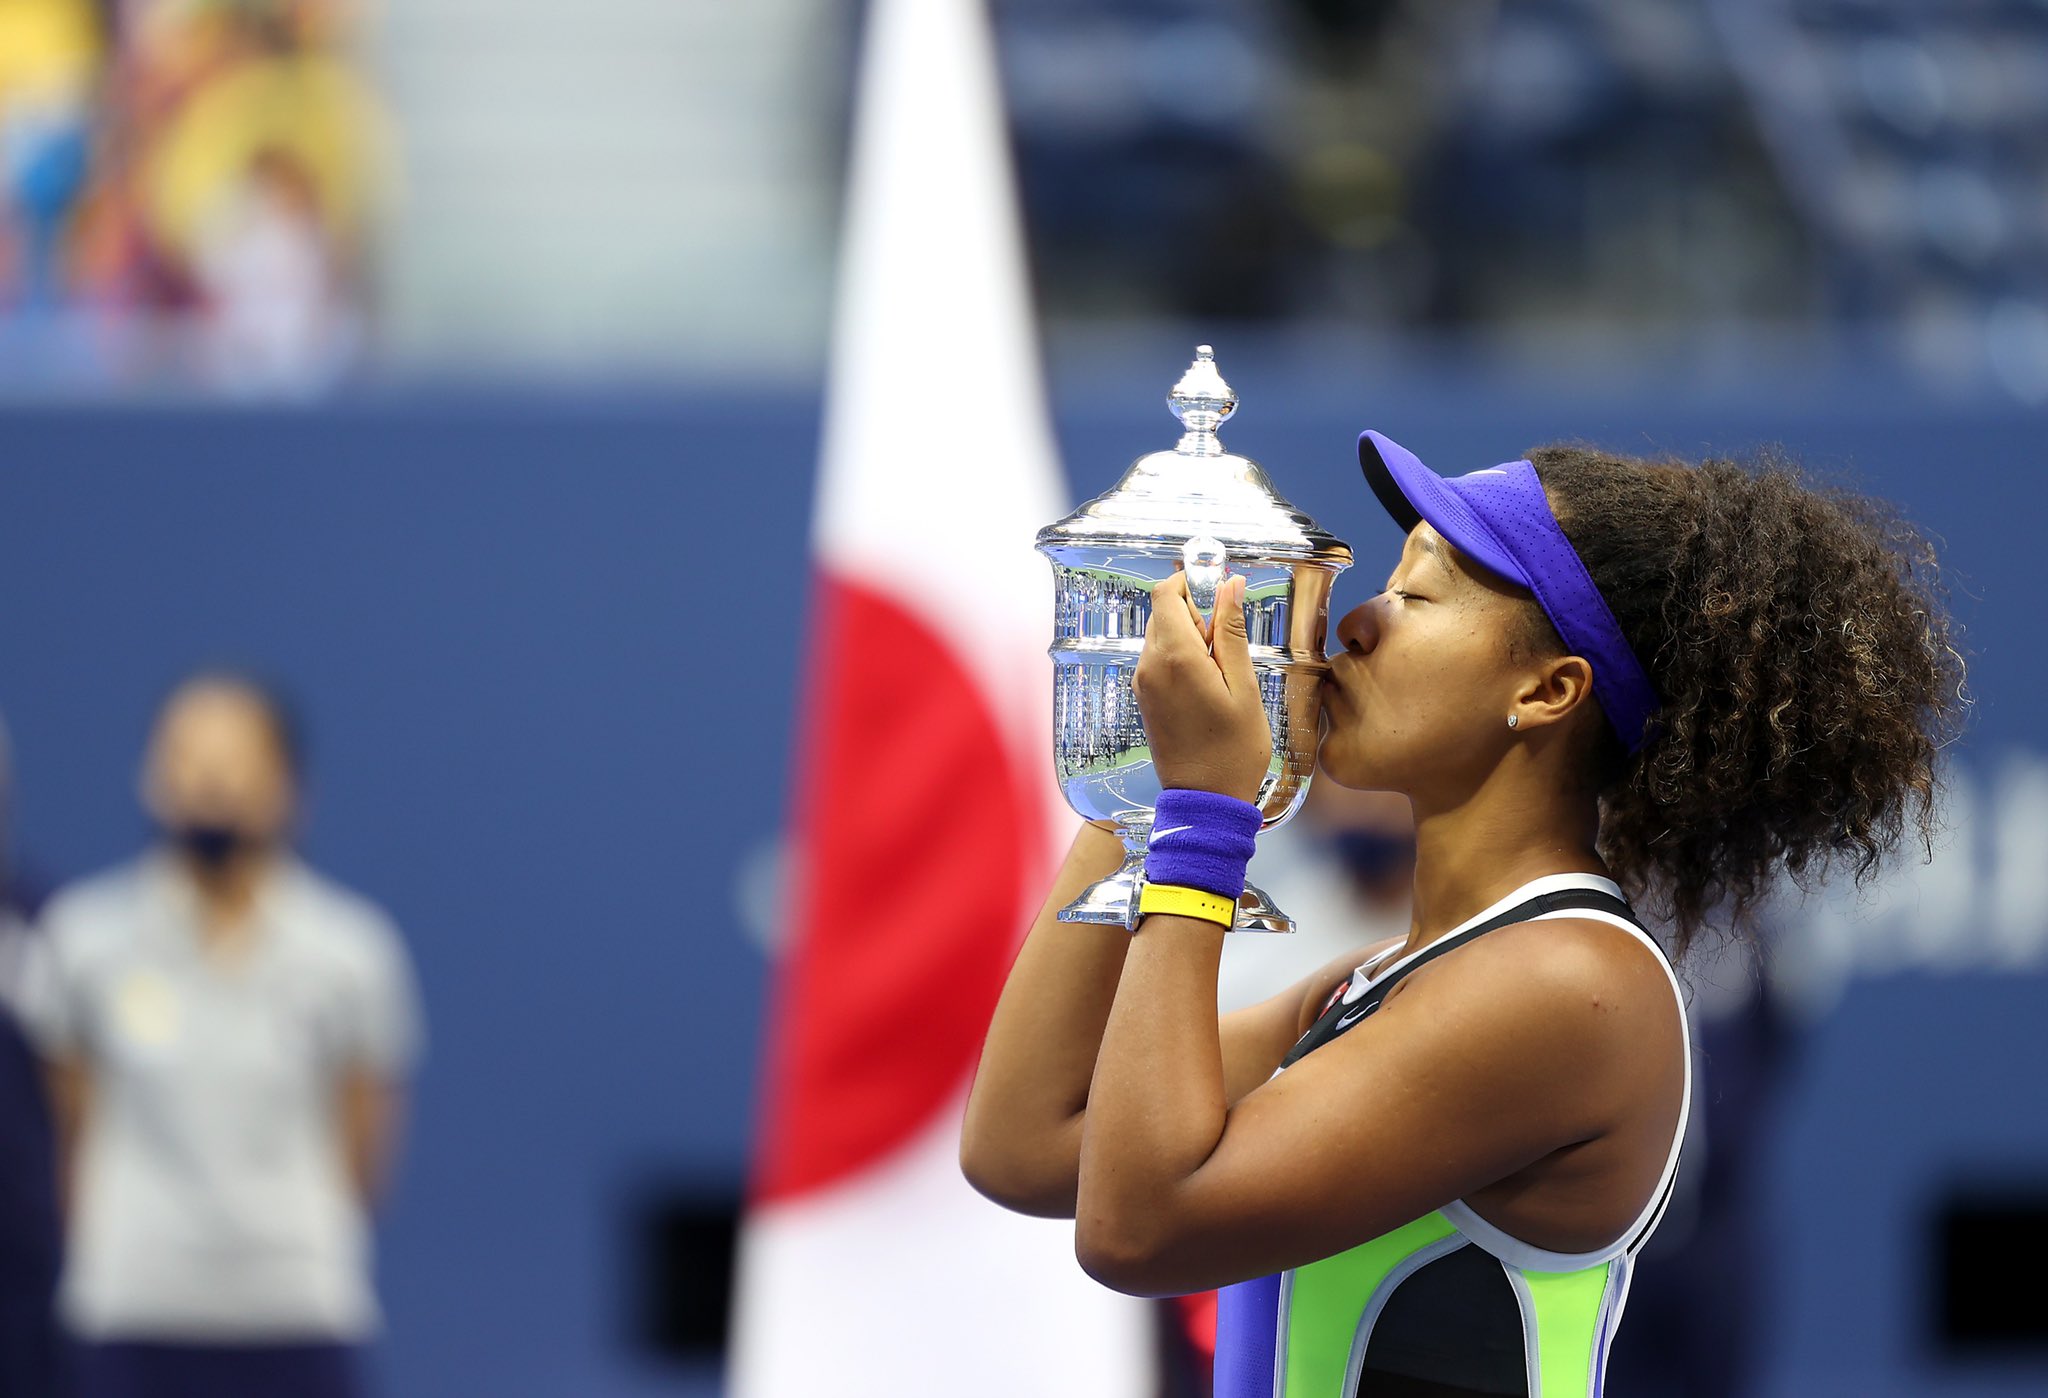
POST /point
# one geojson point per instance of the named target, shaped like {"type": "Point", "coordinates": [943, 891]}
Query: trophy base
{"type": "Point", "coordinates": [1113, 902]}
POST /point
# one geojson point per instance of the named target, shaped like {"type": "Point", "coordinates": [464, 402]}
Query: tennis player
{"type": "Point", "coordinates": [1621, 696]}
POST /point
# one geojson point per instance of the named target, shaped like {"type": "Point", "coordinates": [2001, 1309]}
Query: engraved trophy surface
{"type": "Point", "coordinates": [1200, 507]}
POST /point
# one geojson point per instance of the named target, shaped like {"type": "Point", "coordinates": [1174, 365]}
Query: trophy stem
{"type": "Point", "coordinates": [1257, 912]}
{"type": "Point", "coordinates": [1113, 901]}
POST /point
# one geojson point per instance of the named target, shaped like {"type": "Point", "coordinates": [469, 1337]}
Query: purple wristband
{"type": "Point", "coordinates": [1201, 839]}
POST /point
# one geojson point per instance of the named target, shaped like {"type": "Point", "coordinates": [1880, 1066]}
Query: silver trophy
{"type": "Point", "coordinates": [1200, 508]}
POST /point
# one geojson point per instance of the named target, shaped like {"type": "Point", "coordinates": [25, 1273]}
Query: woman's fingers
{"type": "Point", "coordinates": [1175, 628]}
{"type": "Point", "coordinates": [1203, 625]}
{"type": "Point", "coordinates": [1229, 642]}
{"type": "Point", "coordinates": [1200, 706]}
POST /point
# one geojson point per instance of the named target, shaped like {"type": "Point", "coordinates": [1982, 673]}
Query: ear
{"type": "Point", "coordinates": [1554, 689]}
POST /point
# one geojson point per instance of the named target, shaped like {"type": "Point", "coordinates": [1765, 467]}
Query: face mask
{"type": "Point", "coordinates": [209, 845]}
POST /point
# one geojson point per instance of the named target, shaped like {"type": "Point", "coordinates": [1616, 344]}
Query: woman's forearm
{"type": "Point", "coordinates": [369, 1108]}
{"type": "Point", "coordinates": [1021, 1145]}
{"type": "Point", "coordinates": [1157, 1105]}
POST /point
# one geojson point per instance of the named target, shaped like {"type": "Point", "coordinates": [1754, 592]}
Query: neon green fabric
{"type": "Point", "coordinates": [1326, 1299]}
{"type": "Point", "coordinates": [1324, 1303]}
{"type": "Point", "coordinates": [1567, 1306]}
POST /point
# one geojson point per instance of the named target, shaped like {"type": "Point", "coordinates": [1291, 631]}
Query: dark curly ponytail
{"type": "Point", "coordinates": [1807, 667]}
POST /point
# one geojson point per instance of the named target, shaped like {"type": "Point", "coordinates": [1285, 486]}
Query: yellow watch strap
{"type": "Point", "coordinates": [1188, 902]}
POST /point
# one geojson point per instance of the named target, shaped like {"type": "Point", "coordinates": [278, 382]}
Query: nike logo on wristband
{"type": "Point", "coordinates": [1158, 835]}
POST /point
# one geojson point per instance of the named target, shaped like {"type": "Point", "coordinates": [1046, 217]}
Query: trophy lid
{"type": "Point", "coordinates": [1198, 488]}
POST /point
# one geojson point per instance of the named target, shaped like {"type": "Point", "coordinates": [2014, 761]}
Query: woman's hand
{"type": "Point", "coordinates": [1199, 695]}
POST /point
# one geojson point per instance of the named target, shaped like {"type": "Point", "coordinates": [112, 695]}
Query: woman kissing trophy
{"type": "Point", "coordinates": [1212, 513]}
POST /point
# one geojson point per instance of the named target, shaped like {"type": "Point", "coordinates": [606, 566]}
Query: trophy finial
{"type": "Point", "coordinates": [1202, 402]}
{"type": "Point", "coordinates": [1206, 562]}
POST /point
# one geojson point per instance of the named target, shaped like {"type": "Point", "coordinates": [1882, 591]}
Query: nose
{"type": "Point", "coordinates": [1359, 628]}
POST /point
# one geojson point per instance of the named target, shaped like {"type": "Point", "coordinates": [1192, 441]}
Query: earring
{"type": "Point", "coordinates": [1514, 720]}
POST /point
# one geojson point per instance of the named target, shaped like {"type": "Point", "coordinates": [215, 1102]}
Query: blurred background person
{"type": "Point", "coordinates": [186, 187]}
{"type": "Point", "coordinates": [228, 1034]}
{"type": "Point", "coordinates": [30, 1241]}
{"type": "Point", "coordinates": [255, 185]}
{"type": "Point", "coordinates": [275, 320]}
{"type": "Point", "coordinates": [50, 53]}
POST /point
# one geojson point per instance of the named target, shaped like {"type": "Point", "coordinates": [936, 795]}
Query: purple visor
{"type": "Point", "coordinates": [1501, 519]}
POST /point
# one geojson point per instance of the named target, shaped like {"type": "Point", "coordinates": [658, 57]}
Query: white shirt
{"type": "Point", "coordinates": [213, 1197]}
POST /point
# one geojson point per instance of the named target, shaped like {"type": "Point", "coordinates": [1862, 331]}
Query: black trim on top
{"type": "Point", "coordinates": [1340, 1016]}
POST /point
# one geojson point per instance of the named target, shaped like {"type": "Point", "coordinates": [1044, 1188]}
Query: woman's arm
{"type": "Point", "coordinates": [69, 1080]}
{"type": "Point", "coordinates": [1022, 1136]}
{"type": "Point", "coordinates": [369, 1106]}
{"type": "Point", "coordinates": [1021, 1145]}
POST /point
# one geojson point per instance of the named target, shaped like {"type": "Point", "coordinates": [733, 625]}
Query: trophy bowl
{"type": "Point", "coordinates": [1200, 507]}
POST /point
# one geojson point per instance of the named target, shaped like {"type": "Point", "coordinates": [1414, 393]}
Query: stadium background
{"type": "Point", "coordinates": [523, 519]}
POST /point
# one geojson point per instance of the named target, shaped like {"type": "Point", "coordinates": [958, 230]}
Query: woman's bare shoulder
{"type": "Point", "coordinates": [1594, 984]}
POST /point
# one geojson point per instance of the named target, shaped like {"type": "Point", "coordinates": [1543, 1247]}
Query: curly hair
{"type": "Point", "coordinates": [1808, 668]}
